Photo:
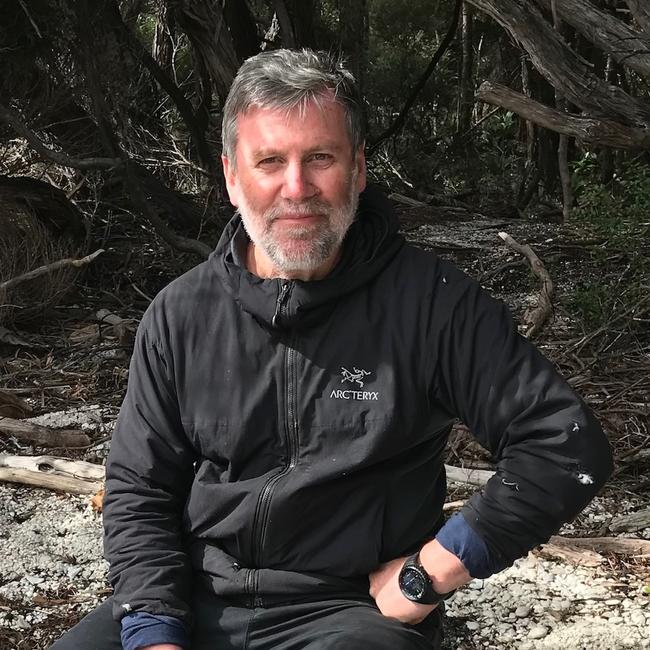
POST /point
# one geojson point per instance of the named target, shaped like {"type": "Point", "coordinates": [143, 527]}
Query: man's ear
{"type": "Point", "coordinates": [360, 163]}
{"type": "Point", "coordinates": [231, 180]}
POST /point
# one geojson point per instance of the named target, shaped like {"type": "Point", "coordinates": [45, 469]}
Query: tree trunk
{"type": "Point", "coordinates": [561, 66]}
{"type": "Point", "coordinates": [353, 36]}
{"type": "Point", "coordinates": [163, 46]}
{"type": "Point", "coordinates": [242, 28]}
{"type": "Point", "coordinates": [466, 81]}
{"type": "Point", "coordinates": [561, 104]}
{"type": "Point", "coordinates": [624, 43]}
{"type": "Point", "coordinates": [204, 23]}
{"type": "Point", "coordinates": [641, 12]}
{"type": "Point", "coordinates": [296, 18]}
{"type": "Point", "coordinates": [587, 129]}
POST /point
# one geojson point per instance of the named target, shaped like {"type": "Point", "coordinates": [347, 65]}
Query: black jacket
{"type": "Point", "coordinates": [279, 439]}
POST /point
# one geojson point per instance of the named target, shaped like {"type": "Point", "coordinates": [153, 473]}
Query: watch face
{"type": "Point", "coordinates": [412, 583]}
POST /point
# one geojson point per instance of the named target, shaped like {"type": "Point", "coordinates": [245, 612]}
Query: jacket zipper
{"type": "Point", "coordinates": [260, 520]}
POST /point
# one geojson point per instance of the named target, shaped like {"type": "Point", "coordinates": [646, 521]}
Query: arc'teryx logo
{"type": "Point", "coordinates": [356, 376]}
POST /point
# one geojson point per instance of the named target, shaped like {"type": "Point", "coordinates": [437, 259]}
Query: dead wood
{"type": "Point", "coordinates": [641, 12]}
{"type": "Point", "coordinates": [577, 556]}
{"type": "Point", "coordinates": [632, 522]}
{"type": "Point", "coordinates": [12, 119]}
{"type": "Point", "coordinates": [623, 545]}
{"type": "Point", "coordinates": [535, 318]}
{"type": "Point", "coordinates": [34, 434]}
{"type": "Point", "coordinates": [124, 328]}
{"type": "Point", "coordinates": [561, 66]}
{"type": "Point", "coordinates": [12, 407]}
{"type": "Point", "coordinates": [76, 477]}
{"type": "Point", "coordinates": [49, 268]}
{"type": "Point", "coordinates": [588, 129]}
{"type": "Point", "coordinates": [469, 476]}
{"type": "Point", "coordinates": [624, 43]}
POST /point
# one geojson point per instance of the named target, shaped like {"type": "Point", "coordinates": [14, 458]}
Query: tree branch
{"type": "Point", "coordinates": [12, 119]}
{"type": "Point", "coordinates": [590, 130]}
{"type": "Point", "coordinates": [442, 48]}
{"type": "Point", "coordinates": [49, 268]}
{"type": "Point", "coordinates": [641, 12]}
{"type": "Point", "coordinates": [561, 66]}
{"type": "Point", "coordinates": [626, 45]}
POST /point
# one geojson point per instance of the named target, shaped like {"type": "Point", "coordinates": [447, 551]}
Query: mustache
{"type": "Point", "coordinates": [309, 207]}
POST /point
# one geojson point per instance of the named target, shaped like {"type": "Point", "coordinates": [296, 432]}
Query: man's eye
{"type": "Point", "coordinates": [266, 162]}
{"type": "Point", "coordinates": [321, 157]}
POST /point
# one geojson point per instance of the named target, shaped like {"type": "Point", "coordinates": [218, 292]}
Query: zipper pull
{"type": "Point", "coordinates": [284, 291]}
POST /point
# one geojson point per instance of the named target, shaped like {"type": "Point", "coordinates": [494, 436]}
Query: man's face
{"type": "Point", "coordinates": [296, 183]}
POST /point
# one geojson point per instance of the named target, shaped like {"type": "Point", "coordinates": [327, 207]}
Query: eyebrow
{"type": "Point", "coordinates": [265, 152]}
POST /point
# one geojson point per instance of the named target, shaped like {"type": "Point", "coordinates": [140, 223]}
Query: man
{"type": "Point", "coordinates": [276, 474]}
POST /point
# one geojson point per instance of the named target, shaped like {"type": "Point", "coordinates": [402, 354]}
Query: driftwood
{"type": "Point", "coordinates": [623, 545]}
{"type": "Point", "coordinates": [477, 477]}
{"type": "Point", "coordinates": [632, 522]}
{"type": "Point", "coordinates": [49, 268]}
{"type": "Point", "coordinates": [77, 477]}
{"type": "Point", "coordinates": [12, 407]}
{"type": "Point", "coordinates": [34, 434]}
{"type": "Point", "coordinates": [535, 318]}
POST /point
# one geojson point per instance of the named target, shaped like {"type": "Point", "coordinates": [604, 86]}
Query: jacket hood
{"type": "Point", "coordinates": [369, 245]}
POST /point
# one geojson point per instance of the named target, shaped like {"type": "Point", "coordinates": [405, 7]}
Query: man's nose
{"type": "Point", "coordinates": [298, 184]}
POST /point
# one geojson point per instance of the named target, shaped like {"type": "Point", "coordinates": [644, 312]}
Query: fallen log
{"type": "Point", "coordinates": [35, 434]}
{"type": "Point", "coordinates": [622, 545]}
{"type": "Point", "coordinates": [51, 472]}
{"type": "Point", "coordinates": [632, 522]}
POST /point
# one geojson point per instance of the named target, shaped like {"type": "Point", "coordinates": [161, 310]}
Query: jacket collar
{"type": "Point", "coordinates": [369, 245]}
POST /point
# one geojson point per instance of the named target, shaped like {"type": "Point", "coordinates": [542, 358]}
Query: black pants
{"type": "Point", "coordinates": [219, 625]}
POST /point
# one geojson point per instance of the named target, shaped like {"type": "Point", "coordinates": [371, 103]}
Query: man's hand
{"type": "Point", "coordinates": [384, 588]}
{"type": "Point", "coordinates": [445, 569]}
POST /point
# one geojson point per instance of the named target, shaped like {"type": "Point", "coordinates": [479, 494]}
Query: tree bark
{"type": "Point", "coordinates": [587, 129]}
{"type": "Point", "coordinates": [204, 23]}
{"type": "Point", "coordinates": [162, 49]}
{"type": "Point", "coordinates": [561, 66]}
{"type": "Point", "coordinates": [641, 12]}
{"type": "Point", "coordinates": [466, 82]}
{"type": "Point", "coordinates": [353, 36]}
{"type": "Point", "coordinates": [624, 43]}
{"type": "Point", "coordinates": [34, 434]}
{"type": "Point", "coordinates": [563, 144]}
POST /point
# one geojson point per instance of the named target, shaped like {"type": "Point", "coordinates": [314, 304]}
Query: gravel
{"type": "Point", "coordinates": [51, 566]}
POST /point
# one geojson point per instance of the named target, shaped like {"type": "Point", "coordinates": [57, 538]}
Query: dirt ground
{"type": "Point", "coordinates": [71, 370]}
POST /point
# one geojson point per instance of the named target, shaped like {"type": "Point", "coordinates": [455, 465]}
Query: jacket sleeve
{"type": "Point", "coordinates": [148, 478]}
{"type": "Point", "coordinates": [552, 456]}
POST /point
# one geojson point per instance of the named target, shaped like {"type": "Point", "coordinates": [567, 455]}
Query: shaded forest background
{"type": "Point", "coordinates": [527, 112]}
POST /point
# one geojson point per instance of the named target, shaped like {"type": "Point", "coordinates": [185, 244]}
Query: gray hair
{"type": "Point", "coordinates": [289, 80]}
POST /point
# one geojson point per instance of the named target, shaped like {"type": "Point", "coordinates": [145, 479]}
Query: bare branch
{"type": "Point", "coordinates": [561, 66]}
{"type": "Point", "coordinates": [626, 45]}
{"type": "Point", "coordinates": [12, 119]}
{"type": "Point", "coordinates": [49, 268]}
{"type": "Point", "coordinates": [587, 129]}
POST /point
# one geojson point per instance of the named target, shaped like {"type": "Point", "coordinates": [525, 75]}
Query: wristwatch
{"type": "Point", "coordinates": [416, 585]}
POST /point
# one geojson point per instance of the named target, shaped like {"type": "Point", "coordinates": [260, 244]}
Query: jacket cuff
{"type": "Point", "coordinates": [142, 629]}
{"type": "Point", "coordinates": [459, 538]}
